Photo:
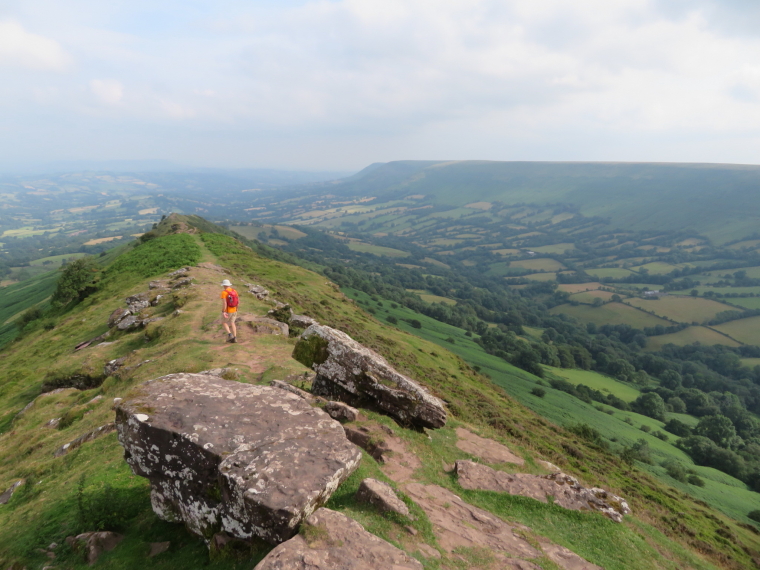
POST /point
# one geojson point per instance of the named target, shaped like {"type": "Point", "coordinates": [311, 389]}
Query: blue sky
{"type": "Point", "coordinates": [340, 84]}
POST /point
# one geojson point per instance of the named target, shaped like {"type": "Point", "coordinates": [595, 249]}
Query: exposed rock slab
{"type": "Point", "coordinates": [458, 524]}
{"type": "Point", "coordinates": [303, 394]}
{"type": "Point", "coordinates": [332, 541]}
{"type": "Point", "coordinates": [95, 543]}
{"type": "Point", "coordinates": [485, 449]}
{"type": "Point", "coordinates": [381, 496]}
{"type": "Point", "coordinates": [225, 456]}
{"type": "Point", "coordinates": [341, 412]}
{"type": "Point", "coordinates": [350, 372]}
{"type": "Point", "coordinates": [566, 490]}
{"type": "Point", "coordinates": [82, 439]}
{"type": "Point", "coordinates": [302, 321]}
{"type": "Point", "coordinates": [117, 315]}
{"type": "Point", "coordinates": [258, 291]}
{"type": "Point", "coordinates": [8, 493]}
{"type": "Point", "coordinates": [264, 325]}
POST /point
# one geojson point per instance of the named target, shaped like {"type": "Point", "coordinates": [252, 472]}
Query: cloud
{"type": "Point", "coordinates": [20, 48]}
{"type": "Point", "coordinates": [108, 91]}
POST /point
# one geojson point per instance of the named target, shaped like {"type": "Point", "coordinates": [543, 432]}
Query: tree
{"type": "Point", "coordinates": [677, 404]}
{"type": "Point", "coordinates": [650, 404]}
{"type": "Point", "coordinates": [670, 379]}
{"type": "Point", "coordinates": [76, 282]}
{"type": "Point", "coordinates": [677, 427]}
{"type": "Point", "coordinates": [717, 428]}
{"type": "Point", "coordinates": [694, 293]}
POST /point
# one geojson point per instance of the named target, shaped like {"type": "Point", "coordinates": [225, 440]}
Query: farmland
{"type": "Point", "coordinates": [743, 330]}
{"type": "Point", "coordinates": [690, 335]}
{"type": "Point", "coordinates": [611, 313]}
{"type": "Point", "coordinates": [682, 309]}
{"type": "Point", "coordinates": [377, 250]}
{"type": "Point", "coordinates": [597, 381]}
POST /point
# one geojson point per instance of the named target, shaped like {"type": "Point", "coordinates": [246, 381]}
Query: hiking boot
{"type": "Point", "coordinates": [233, 339]}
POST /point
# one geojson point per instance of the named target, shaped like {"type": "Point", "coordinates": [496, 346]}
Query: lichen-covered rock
{"type": "Point", "coordinates": [294, 390]}
{"type": "Point", "coordinates": [302, 321]}
{"type": "Point", "coordinates": [350, 372]}
{"type": "Point", "coordinates": [182, 283]}
{"type": "Point", "coordinates": [263, 325]}
{"type": "Point", "coordinates": [226, 456]}
{"type": "Point", "coordinates": [179, 272]}
{"type": "Point", "coordinates": [136, 303]}
{"type": "Point", "coordinates": [258, 291]}
{"type": "Point", "coordinates": [127, 323]}
{"type": "Point", "coordinates": [8, 493]}
{"type": "Point", "coordinates": [112, 366]}
{"type": "Point", "coordinates": [117, 316]}
{"type": "Point", "coordinates": [341, 412]}
{"type": "Point", "coordinates": [382, 496]}
{"type": "Point", "coordinates": [332, 541]}
{"type": "Point", "coordinates": [565, 489]}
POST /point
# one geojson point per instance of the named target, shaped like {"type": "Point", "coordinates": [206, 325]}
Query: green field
{"type": "Point", "coordinates": [690, 335]}
{"type": "Point", "coordinates": [428, 298]}
{"type": "Point", "coordinates": [746, 302]}
{"type": "Point", "coordinates": [681, 309]}
{"type": "Point", "coordinates": [558, 248]}
{"type": "Point", "coordinates": [588, 297]}
{"type": "Point", "coordinates": [543, 264]}
{"type": "Point", "coordinates": [657, 268]}
{"type": "Point", "coordinates": [611, 314]}
{"type": "Point", "coordinates": [602, 272]}
{"type": "Point", "coordinates": [540, 276]}
{"type": "Point", "coordinates": [377, 250]}
{"type": "Point", "coordinates": [54, 261]}
{"type": "Point", "coordinates": [743, 330]}
{"type": "Point", "coordinates": [599, 382]}
{"type": "Point", "coordinates": [751, 362]}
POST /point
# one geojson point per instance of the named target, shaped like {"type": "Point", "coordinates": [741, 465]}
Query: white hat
{"type": "Point", "coordinates": [226, 283]}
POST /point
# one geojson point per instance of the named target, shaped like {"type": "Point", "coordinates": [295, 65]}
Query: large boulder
{"type": "Point", "coordinates": [566, 491]}
{"type": "Point", "coordinates": [332, 541]}
{"type": "Point", "coordinates": [226, 456]}
{"type": "Point", "coordinates": [352, 373]}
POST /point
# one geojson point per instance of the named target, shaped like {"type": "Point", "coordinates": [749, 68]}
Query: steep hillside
{"type": "Point", "coordinates": [634, 196]}
{"type": "Point", "coordinates": [55, 387]}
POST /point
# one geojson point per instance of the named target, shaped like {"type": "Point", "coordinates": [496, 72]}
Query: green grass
{"type": "Point", "coordinates": [156, 256]}
{"type": "Point", "coordinates": [557, 248]}
{"type": "Point", "coordinates": [602, 272]}
{"type": "Point", "coordinates": [611, 313]}
{"type": "Point", "coordinates": [690, 335]}
{"type": "Point", "coordinates": [587, 297]}
{"type": "Point", "coordinates": [751, 362]}
{"type": "Point", "coordinates": [681, 309]}
{"type": "Point", "coordinates": [600, 382]}
{"type": "Point", "coordinates": [743, 330]}
{"type": "Point", "coordinates": [746, 302]}
{"type": "Point", "coordinates": [54, 261]}
{"type": "Point", "coordinates": [543, 264]}
{"type": "Point", "coordinates": [377, 250]}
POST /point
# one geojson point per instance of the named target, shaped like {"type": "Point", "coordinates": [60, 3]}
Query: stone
{"type": "Point", "coordinates": [428, 551]}
{"type": "Point", "coordinates": [157, 548]}
{"type": "Point", "coordinates": [487, 450]}
{"type": "Point", "coordinates": [95, 543]}
{"type": "Point", "coordinates": [548, 465]}
{"type": "Point", "coordinates": [332, 541]}
{"type": "Point", "coordinates": [182, 283]}
{"type": "Point", "coordinates": [381, 496]}
{"type": "Point", "coordinates": [95, 399]}
{"type": "Point", "coordinates": [157, 285]}
{"type": "Point", "coordinates": [82, 439]}
{"type": "Point", "coordinates": [252, 461]}
{"type": "Point", "coordinates": [136, 303]}
{"type": "Point", "coordinates": [341, 412]}
{"type": "Point", "coordinates": [293, 390]}
{"type": "Point", "coordinates": [117, 316]}
{"type": "Point", "coordinates": [282, 312]}
{"type": "Point", "coordinates": [128, 323]}
{"type": "Point", "coordinates": [52, 423]}
{"type": "Point", "coordinates": [368, 441]}
{"type": "Point", "coordinates": [354, 374]}
{"type": "Point", "coordinates": [565, 489]}
{"type": "Point", "coordinates": [179, 272]}
{"type": "Point", "coordinates": [156, 300]}
{"type": "Point", "coordinates": [302, 321]}
{"type": "Point", "coordinates": [6, 496]}
{"type": "Point", "coordinates": [212, 267]}
{"type": "Point", "coordinates": [263, 325]}
{"type": "Point", "coordinates": [112, 366]}
{"type": "Point", "coordinates": [258, 291]}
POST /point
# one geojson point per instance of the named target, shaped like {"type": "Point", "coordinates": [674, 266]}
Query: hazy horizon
{"type": "Point", "coordinates": [337, 85]}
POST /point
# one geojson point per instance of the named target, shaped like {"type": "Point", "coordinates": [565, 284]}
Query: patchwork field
{"type": "Point", "coordinates": [377, 250]}
{"type": "Point", "coordinates": [588, 297]}
{"type": "Point", "coordinates": [545, 264]}
{"type": "Point", "coordinates": [681, 309]}
{"type": "Point", "coordinates": [599, 382]}
{"type": "Point", "coordinates": [690, 335]}
{"type": "Point", "coordinates": [611, 314]}
{"type": "Point", "coordinates": [558, 248]}
{"type": "Point", "coordinates": [743, 330]}
{"type": "Point", "coordinates": [751, 362]}
{"type": "Point", "coordinates": [578, 287]}
{"type": "Point", "coordinates": [541, 276]}
{"type": "Point", "coordinates": [613, 272]}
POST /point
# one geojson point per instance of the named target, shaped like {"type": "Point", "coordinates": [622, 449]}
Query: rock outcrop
{"type": "Point", "coordinates": [352, 373]}
{"type": "Point", "coordinates": [8, 493]}
{"type": "Point", "coordinates": [332, 541]}
{"type": "Point", "coordinates": [82, 439]}
{"type": "Point", "coordinates": [566, 490]}
{"type": "Point", "coordinates": [381, 496]}
{"type": "Point", "coordinates": [485, 449]}
{"type": "Point", "coordinates": [263, 325]}
{"type": "Point", "coordinates": [94, 544]}
{"type": "Point", "coordinates": [302, 321]}
{"type": "Point", "coordinates": [257, 291]}
{"type": "Point", "coordinates": [226, 456]}
{"type": "Point", "coordinates": [341, 412]}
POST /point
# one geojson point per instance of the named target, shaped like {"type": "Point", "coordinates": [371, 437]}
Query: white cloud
{"type": "Point", "coordinates": [20, 48]}
{"type": "Point", "coordinates": [108, 91]}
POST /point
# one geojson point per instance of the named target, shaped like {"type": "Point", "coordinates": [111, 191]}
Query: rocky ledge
{"type": "Point", "coordinates": [332, 541]}
{"type": "Point", "coordinates": [565, 489]}
{"type": "Point", "coordinates": [354, 374]}
{"type": "Point", "coordinates": [253, 461]}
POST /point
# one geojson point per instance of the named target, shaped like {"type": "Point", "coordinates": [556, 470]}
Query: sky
{"type": "Point", "coordinates": [337, 85]}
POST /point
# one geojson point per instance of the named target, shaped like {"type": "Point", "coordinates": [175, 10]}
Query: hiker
{"type": "Point", "coordinates": [230, 301]}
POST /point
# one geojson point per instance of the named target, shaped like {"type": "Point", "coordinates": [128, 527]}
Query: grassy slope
{"type": "Point", "coordinates": [17, 298]}
{"type": "Point", "coordinates": [722, 491]}
{"type": "Point", "coordinates": [612, 314]}
{"type": "Point", "coordinates": [44, 511]}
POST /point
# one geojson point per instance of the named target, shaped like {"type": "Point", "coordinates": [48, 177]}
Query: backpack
{"type": "Point", "coordinates": [232, 298]}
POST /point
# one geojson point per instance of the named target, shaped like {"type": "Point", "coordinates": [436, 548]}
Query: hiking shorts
{"type": "Point", "coordinates": [231, 319]}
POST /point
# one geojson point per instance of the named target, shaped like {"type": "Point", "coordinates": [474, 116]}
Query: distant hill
{"type": "Point", "coordinates": [720, 201]}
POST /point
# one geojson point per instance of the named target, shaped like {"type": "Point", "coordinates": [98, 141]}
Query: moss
{"type": "Point", "coordinates": [311, 350]}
